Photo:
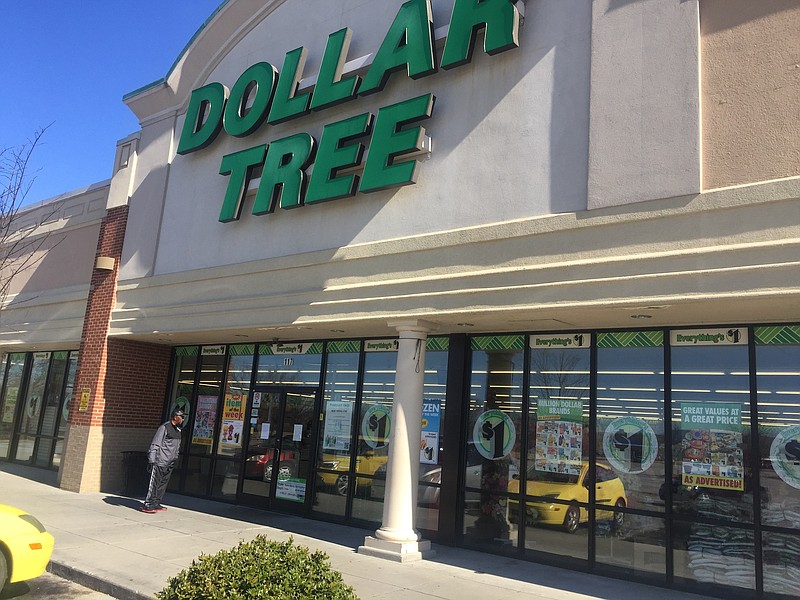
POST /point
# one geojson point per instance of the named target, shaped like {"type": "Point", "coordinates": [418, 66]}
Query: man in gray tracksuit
{"type": "Point", "coordinates": [161, 458]}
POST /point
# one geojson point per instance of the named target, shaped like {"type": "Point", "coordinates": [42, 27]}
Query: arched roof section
{"type": "Point", "coordinates": [226, 26]}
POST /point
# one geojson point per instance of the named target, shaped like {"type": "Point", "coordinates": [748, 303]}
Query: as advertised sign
{"type": "Point", "coordinates": [376, 426]}
{"type": "Point", "coordinates": [559, 436]}
{"type": "Point", "coordinates": [429, 436]}
{"type": "Point", "coordinates": [494, 434]}
{"type": "Point", "coordinates": [630, 445]}
{"type": "Point", "coordinates": [785, 455]}
{"type": "Point", "coordinates": [711, 445]}
{"type": "Point", "coordinates": [709, 337]}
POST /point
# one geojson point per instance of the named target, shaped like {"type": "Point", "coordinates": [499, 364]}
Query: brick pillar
{"type": "Point", "coordinates": [114, 373]}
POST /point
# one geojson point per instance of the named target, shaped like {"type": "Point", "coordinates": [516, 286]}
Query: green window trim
{"type": "Point", "coordinates": [630, 339]}
{"type": "Point", "coordinates": [498, 342]}
{"type": "Point", "coordinates": [777, 335]}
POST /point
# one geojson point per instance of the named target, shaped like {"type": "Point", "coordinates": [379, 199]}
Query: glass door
{"type": "Point", "coordinates": [279, 451]}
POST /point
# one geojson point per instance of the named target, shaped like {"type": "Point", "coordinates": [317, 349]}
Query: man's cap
{"type": "Point", "coordinates": [178, 413]}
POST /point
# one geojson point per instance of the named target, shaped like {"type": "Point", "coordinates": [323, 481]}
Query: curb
{"type": "Point", "coordinates": [95, 583]}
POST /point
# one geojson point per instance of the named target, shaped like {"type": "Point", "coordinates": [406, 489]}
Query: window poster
{"type": "Point", "coordinates": [232, 420]}
{"type": "Point", "coordinates": [338, 420]}
{"type": "Point", "coordinates": [785, 455]}
{"type": "Point", "coordinates": [711, 445]}
{"type": "Point", "coordinates": [494, 434]}
{"type": "Point", "coordinates": [559, 436]}
{"type": "Point", "coordinates": [429, 442]}
{"type": "Point", "coordinates": [630, 445]}
{"type": "Point", "coordinates": [291, 489]}
{"type": "Point", "coordinates": [203, 432]}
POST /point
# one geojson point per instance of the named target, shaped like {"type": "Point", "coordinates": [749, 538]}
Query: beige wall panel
{"type": "Point", "coordinates": [71, 263]}
{"type": "Point", "coordinates": [703, 256]}
{"type": "Point", "coordinates": [750, 90]}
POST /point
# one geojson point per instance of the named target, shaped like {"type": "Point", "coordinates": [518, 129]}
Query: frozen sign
{"type": "Point", "coordinates": [429, 440]}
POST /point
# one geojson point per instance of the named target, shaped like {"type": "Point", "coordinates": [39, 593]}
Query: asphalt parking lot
{"type": "Point", "coordinates": [48, 587]}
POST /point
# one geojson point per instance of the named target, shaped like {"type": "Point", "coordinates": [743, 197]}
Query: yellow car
{"type": "Point", "coordinates": [25, 546]}
{"type": "Point", "coordinates": [572, 489]}
{"type": "Point", "coordinates": [366, 464]}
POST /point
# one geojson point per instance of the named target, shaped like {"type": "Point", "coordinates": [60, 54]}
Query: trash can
{"type": "Point", "coordinates": [137, 478]}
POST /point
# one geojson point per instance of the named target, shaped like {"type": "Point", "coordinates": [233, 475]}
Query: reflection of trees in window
{"type": "Point", "coordinates": [503, 392]}
{"type": "Point", "coordinates": [559, 374]}
{"type": "Point", "coordinates": [239, 371]}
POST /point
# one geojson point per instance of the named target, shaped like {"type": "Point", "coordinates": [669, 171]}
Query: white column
{"type": "Point", "coordinates": [398, 538]}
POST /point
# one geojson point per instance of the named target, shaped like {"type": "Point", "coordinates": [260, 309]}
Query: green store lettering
{"type": "Point", "coordinates": [273, 99]}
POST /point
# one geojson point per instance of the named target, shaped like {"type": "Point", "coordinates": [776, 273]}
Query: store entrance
{"type": "Point", "coordinates": [279, 447]}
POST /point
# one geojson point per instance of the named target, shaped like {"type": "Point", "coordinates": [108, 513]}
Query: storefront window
{"type": "Point", "coordinates": [778, 384]}
{"type": "Point", "coordinates": [8, 403]}
{"type": "Point", "coordinates": [32, 409]}
{"type": "Point", "coordinates": [3, 367]}
{"type": "Point", "coordinates": [234, 401]}
{"type": "Point", "coordinates": [69, 388]}
{"type": "Point", "coordinates": [493, 440]}
{"type": "Point", "coordinates": [207, 387]}
{"type": "Point", "coordinates": [711, 456]}
{"type": "Point", "coordinates": [336, 433]}
{"type": "Point", "coordinates": [558, 478]}
{"type": "Point", "coordinates": [781, 556]}
{"type": "Point", "coordinates": [51, 408]}
{"type": "Point", "coordinates": [289, 364]}
{"type": "Point", "coordinates": [234, 406]}
{"type": "Point", "coordinates": [432, 442]}
{"type": "Point", "coordinates": [374, 426]}
{"type": "Point", "coordinates": [630, 442]}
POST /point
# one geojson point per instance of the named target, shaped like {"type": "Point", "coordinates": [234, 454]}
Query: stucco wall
{"type": "Point", "coordinates": [558, 169]}
{"type": "Point", "coordinates": [751, 90]}
{"type": "Point", "coordinates": [644, 137]}
{"type": "Point", "coordinates": [47, 300]}
{"type": "Point", "coordinates": [509, 140]}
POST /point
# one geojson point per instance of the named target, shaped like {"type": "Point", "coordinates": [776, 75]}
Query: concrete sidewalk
{"type": "Point", "coordinates": [105, 543]}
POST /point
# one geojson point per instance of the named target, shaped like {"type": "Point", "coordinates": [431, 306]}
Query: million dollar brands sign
{"type": "Point", "coordinates": [273, 98]}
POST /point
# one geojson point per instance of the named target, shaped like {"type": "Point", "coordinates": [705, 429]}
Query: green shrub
{"type": "Point", "coordinates": [259, 569]}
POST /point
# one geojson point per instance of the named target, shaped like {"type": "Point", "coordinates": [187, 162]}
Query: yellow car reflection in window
{"type": "Point", "coordinates": [25, 546]}
{"type": "Point", "coordinates": [571, 489]}
{"type": "Point", "coordinates": [366, 464]}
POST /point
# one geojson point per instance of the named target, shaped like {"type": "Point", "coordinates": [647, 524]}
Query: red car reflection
{"type": "Point", "coordinates": [261, 465]}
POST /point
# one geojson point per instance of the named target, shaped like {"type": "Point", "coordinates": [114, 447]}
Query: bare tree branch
{"type": "Point", "coordinates": [20, 247]}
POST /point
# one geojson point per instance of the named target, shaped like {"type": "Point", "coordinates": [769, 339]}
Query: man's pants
{"type": "Point", "coordinates": [159, 478]}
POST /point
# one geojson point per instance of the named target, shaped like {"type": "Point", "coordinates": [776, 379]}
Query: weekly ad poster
{"type": "Point", "coordinates": [232, 419]}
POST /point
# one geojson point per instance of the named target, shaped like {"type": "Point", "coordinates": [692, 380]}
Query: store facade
{"type": "Point", "coordinates": [520, 277]}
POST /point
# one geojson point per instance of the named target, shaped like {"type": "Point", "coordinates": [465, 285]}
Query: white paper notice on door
{"type": "Point", "coordinates": [297, 435]}
{"type": "Point", "coordinates": [265, 431]}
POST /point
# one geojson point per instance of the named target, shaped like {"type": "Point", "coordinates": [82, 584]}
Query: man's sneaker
{"type": "Point", "coordinates": [149, 510]}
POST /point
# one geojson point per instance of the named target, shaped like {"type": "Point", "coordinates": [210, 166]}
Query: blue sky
{"type": "Point", "coordinates": [69, 64]}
